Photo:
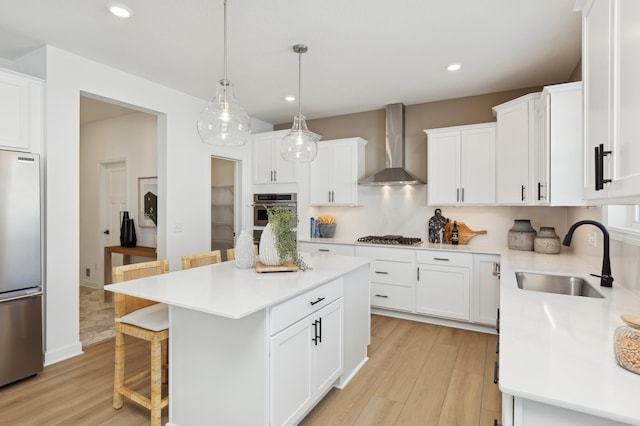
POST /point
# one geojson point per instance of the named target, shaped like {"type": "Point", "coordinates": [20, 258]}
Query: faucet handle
{"type": "Point", "coordinates": [605, 280]}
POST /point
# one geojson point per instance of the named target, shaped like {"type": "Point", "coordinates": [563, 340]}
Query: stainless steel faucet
{"type": "Point", "coordinates": [606, 280]}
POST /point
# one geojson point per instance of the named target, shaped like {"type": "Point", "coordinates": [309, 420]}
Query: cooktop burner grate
{"type": "Point", "coordinates": [390, 240]}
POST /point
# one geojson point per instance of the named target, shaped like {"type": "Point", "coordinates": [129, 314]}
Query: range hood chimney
{"type": "Point", "coordinates": [394, 173]}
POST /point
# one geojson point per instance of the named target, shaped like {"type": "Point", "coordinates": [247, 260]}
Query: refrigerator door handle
{"type": "Point", "coordinates": [22, 295]}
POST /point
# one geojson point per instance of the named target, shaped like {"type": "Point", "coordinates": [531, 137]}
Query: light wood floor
{"type": "Point", "coordinates": [417, 374]}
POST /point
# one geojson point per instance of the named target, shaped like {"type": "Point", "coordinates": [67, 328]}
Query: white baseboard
{"type": "Point", "coordinates": [60, 354]}
{"type": "Point", "coordinates": [489, 329]}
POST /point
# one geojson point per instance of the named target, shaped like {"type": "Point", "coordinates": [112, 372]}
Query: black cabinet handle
{"type": "Point", "coordinates": [462, 197]}
{"type": "Point", "coordinates": [457, 194]}
{"type": "Point", "coordinates": [384, 296]}
{"type": "Point", "coordinates": [381, 272]}
{"type": "Point", "coordinates": [522, 192]}
{"type": "Point", "coordinates": [498, 321]}
{"type": "Point", "coordinates": [498, 347]}
{"type": "Point", "coordinates": [441, 259]}
{"type": "Point", "coordinates": [496, 367]}
{"type": "Point", "coordinates": [320, 329]}
{"type": "Point", "coordinates": [540, 197]}
{"type": "Point", "coordinates": [324, 250]}
{"type": "Point", "coordinates": [600, 153]}
{"type": "Point", "coordinates": [315, 333]}
{"type": "Point", "coordinates": [320, 299]}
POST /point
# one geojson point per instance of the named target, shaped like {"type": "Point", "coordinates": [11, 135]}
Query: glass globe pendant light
{"type": "Point", "coordinates": [223, 121]}
{"type": "Point", "coordinates": [299, 144]}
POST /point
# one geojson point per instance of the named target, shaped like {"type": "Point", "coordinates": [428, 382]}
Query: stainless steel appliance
{"type": "Point", "coordinates": [393, 240]}
{"type": "Point", "coordinates": [262, 202]}
{"type": "Point", "coordinates": [21, 353]}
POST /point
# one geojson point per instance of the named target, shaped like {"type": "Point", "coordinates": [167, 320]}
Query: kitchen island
{"type": "Point", "coordinates": [250, 348]}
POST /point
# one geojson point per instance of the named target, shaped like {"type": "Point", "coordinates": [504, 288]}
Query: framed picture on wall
{"type": "Point", "coordinates": [148, 202]}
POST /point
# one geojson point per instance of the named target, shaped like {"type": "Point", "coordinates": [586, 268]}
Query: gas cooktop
{"type": "Point", "coordinates": [394, 240]}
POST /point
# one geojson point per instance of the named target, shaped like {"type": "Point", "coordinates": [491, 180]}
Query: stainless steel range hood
{"type": "Point", "coordinates": [394, 173]}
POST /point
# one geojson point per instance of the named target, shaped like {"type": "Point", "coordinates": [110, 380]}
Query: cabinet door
{"type": "Point", "coordinates": [328, 350]}
{"type": "Point", "coordinates": [343, 179]}
{"type": "Point", "coordinates": [443, 291]}
{"type": "Point", "coordinates": [14, 112]}
{"type": "Point", "coordinates": [477, 166]}
{"type": "Point", "coordinates": [512, 154]}
{"type": "Point", "coordinates": [486, 289]}
{"type": "Point", "coordinates": [626, 148]}
{"type": "Point", "coordinates": [540, 180]}
{"type": "Point", "coordinates": [262, 150]}
{"type": "Point", "coordinates": [285, 171]}
{"type": "Point", "coordinates": [596, 60]}
{"type": "Point", "coordinates": [444, 168]}
{"type": "Point", "coordinates": [292, 372]}
{"type": "Point", "coordinates": [319, 172]}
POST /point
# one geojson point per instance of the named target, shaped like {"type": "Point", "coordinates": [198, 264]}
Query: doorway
{"type": "Point", "coordinates": [118, 144]}
{"type": "Point", "coordinates": [223, 204]}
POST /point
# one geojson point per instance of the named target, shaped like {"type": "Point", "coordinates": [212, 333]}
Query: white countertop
{"type": "Point", "coordinates": [475, 248]}
{"type": "Point", "coordinates": [558, 349]}
{"type": "Point", "coordinates": [227, 291]}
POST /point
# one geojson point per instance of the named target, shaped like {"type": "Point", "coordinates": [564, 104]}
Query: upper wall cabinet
{"type": "Point", "coordinates": [557, 169]}
{"type": "Point", "coordinates": [611, 66]}
{"type": "Point", "coordinates": [334, 174]}
{"type": "Point", "coordinates": [20, 112]}
{"type": "Point", "coordinates": [268, 166]}
{"type": "Point", "coordinates": [461, 165]}
{"type": "Point", "coordinates": [514, 137]}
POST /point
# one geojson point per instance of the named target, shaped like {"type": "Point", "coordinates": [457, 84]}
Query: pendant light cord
{"type": "Point", "coordinates": [299, 83]}
{"type": "Point", "coordinates": [225, 42]}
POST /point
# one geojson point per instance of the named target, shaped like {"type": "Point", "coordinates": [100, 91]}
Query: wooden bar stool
{"type": "Point", "coordinates": [231, 253]}
{"type": "Point", "coordinates": [201, 259]}
{"type": "Point", "coordinates": [147, 320]}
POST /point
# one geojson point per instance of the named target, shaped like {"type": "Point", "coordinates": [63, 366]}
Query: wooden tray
{"type": "Point", "coordinates": [464, 233]}
{"type": "Point", "coordinates": [287, 266]}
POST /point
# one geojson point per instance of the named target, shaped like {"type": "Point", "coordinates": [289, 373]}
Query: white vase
{"type": "Point", "coordinates": [268, 251]}
{"type": "Point", "coordinates": [245, 255]}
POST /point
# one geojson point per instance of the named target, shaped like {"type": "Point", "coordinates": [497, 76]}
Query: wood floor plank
{"type": "Point", "coordinates": [461, 406]}
{"type": "Point", "coordinates": [404, 371]}
{"type": "Point", "coordinates": [384, 350]}
{"type": "Point", "coordinates": [473, 352]}
{"type": "Point", "coordinates": [425, 400]}
{"type": "Point", "coordinates": [379, 411]}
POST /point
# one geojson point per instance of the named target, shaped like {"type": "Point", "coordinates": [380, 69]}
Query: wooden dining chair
{"type": "Point", "coordinates": [147, 320]}
{"type": "Point", "coordinates": [231, 253]}
{"type": "Point", "coordinates": [201, 259]}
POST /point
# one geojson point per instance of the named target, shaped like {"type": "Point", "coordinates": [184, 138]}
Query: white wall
{"type": "Point", "coordinates": [183, 177]}
{"type": "Point", "coordinates": [131, 138]}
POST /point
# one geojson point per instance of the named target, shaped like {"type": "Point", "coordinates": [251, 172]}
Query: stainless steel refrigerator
{"type": "Point", "coordinates": [21, 353]}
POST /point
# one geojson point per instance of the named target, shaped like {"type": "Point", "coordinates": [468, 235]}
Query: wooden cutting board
{"type": "Point", "coordinates": [464, 233]}
{"type": "Point", "coordinates": [287, 266]}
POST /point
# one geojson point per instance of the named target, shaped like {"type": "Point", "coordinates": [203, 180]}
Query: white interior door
{"type": "Point", "coordinates": [114, 197]}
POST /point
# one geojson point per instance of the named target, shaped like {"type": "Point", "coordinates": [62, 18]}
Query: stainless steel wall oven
{"type": "Point", "coordinates": [262, 202]}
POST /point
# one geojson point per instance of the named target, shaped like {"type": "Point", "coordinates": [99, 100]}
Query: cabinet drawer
{"type": "Point", "coordinates": [391, 296]}
{"type": "Point", "coordinates": [385, 253]}
{"type": "Point", "coordinates": [287, 313]}
{"type": "Point", "coordinates": [340, 249]}
{"type": "Point", "coordinates": [398, 273]}
{"type": "Point", "coordinates": [447, 258]}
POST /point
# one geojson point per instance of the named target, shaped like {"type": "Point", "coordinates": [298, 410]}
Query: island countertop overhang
{"type": "Point", "coordinates": [227, 291]}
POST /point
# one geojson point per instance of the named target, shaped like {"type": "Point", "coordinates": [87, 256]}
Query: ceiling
{"type": "Point", "coordinates": [363, 54]}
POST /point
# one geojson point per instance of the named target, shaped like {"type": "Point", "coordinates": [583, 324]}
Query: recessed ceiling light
{"type": "Point", "coordinates": [289, 98]}
{"type": "Point", "coordinates": [120, 10]}
{"type": "Point", "coordinates": [453, 67]}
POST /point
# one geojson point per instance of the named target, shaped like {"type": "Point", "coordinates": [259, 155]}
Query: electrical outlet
{"type": "Point", "coordinates": [177, 227]}
{"type": "Point", "coordinates": [87, 272]}
{"type": "Point", "coordinates": [591, 238]}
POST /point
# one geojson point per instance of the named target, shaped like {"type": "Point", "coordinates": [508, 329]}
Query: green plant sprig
{"type": "Point", "coordinates": [283, 221]}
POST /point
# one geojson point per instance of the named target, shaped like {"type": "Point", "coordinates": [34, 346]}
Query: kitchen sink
{"type": "Point", "coordinates": [560, 284]}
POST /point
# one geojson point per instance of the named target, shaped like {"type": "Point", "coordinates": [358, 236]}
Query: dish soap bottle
{"type": "Point", "coordinates": [454, 234]}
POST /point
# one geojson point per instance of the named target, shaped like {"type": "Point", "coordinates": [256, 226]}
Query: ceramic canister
{"type": "Point", "coordinates": [547, 241]}
{"type": "Point", "coordinates": [521, 235]}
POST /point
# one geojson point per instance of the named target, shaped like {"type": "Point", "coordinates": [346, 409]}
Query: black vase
{"type": "Point", "coordinates": [123, 228]}
{"type": "Point", "coordinates": [130, 237]}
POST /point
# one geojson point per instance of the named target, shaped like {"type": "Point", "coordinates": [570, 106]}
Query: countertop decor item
{"type": "Point", "coordinates": [436, 227]}
{"type": "Point", "coordinates": [521, 235]}
{"type": "Point", "coordinates": [547, 241]}
{"type": "Point", "coordinates": [327, 226]}
{"type": "Point", "coordinates": [626, 343]}
{"type": "Point", "coordinates": [245, 253]}
{"type": "Point", "coordinates": [123, 228]}
{"type": "Point", "coordinates": [278, 241]}
{"type": "Point", "coordinates": [464, 233]}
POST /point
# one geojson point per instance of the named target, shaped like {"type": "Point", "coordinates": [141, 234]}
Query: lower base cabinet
{"type": "Point", "coordinates": [485, 292]}
{"type": "Point", "coordinates": [306, 359]}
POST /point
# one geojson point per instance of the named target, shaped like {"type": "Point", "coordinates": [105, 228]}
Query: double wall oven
{"type": "Point", "coordinates": [262, 202]}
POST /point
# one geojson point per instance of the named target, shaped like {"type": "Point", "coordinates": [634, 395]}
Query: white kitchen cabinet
{"type": "Point", "coordinates": [339, 249]}
{"type": "Point", "coordinates": [443, 286]}
{"type": "Point", "coordinates": [514, 140]}
{"type": "Point", "coordinates": [557, 169]}
{"type": "Point", "coordinates": [306, 351]}
{"type": "Point", "coordinates": [485, 291]}
{"type": "Point", "coordinates": [461, 165]}
{"type": "Point", "coordinates": [334, 174]}
{"type": "Point", "coordinates": [268, 166]}
{"type": "Point", "coordinates": [20, 112]}
{"type": "Point", "coordinates": [393, 277]}
{"type": "Point", "coordinates": [611, 100]}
